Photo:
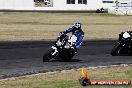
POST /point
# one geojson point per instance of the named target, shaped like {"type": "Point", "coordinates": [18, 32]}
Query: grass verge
{"type": "Point", "coordinates": [25, 26]}
{"type": "Point", "coordinates": [69, 79]}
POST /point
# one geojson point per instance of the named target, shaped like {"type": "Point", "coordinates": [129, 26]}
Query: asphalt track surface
{"type": "Point", "coordinates": [24, 58]}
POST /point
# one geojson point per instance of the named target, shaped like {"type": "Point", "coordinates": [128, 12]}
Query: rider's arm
{"type": "Point", "coordinates": [68, 30]}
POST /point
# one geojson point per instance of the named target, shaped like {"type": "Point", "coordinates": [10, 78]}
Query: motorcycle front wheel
{"type": "Point", "coordinates": [116, 50]}
{"type": "Point", "coordinates": [120, 50]}
{"type": "Point", "coordinates": [48, 55]}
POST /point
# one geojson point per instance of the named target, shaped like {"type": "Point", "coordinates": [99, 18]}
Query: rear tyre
{"type": "Point", "coordinates": [48, 55]}
{"type": "Point", "coordinates": [64, 57]}
{"type": "Point", "coordinates": [68, 55]}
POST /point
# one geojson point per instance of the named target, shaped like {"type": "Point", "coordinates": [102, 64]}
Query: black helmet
{"type": "Point", "coordinates": [77, 25]}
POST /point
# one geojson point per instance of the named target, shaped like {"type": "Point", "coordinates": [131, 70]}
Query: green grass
{"type": "Point", "coordinates": [69, 79]}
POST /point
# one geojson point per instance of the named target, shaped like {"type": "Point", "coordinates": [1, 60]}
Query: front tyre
{"type": "Point", "coordinates": [48, 55]}
{"type": "Point", "coordinates": [116, 50]}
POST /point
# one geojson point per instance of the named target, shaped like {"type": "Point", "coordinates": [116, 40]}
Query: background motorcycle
{"type": "Point", "coordinates": [124, 44]}
{"type": "Point", "coordinates": [62, 49]}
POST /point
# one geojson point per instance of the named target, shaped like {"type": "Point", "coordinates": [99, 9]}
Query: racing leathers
{"type": "Point", "coordinates": [78, 33]}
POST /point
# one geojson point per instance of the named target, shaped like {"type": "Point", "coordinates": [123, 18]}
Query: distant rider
{"type": "Point", "coordinates": [77, 31]}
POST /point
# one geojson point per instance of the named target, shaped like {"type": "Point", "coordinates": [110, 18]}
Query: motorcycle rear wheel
{"type": "Point", "coordinates": [63, 57]}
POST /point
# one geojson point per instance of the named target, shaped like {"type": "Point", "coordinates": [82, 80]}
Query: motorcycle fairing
{"type": "Point", "coordinates": [126, 35]}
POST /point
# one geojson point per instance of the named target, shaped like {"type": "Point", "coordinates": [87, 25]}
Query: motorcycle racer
{"type": "Point", "coordinates": [66, 46]}
{"type": "Point", "coordinates": [77, 32]}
